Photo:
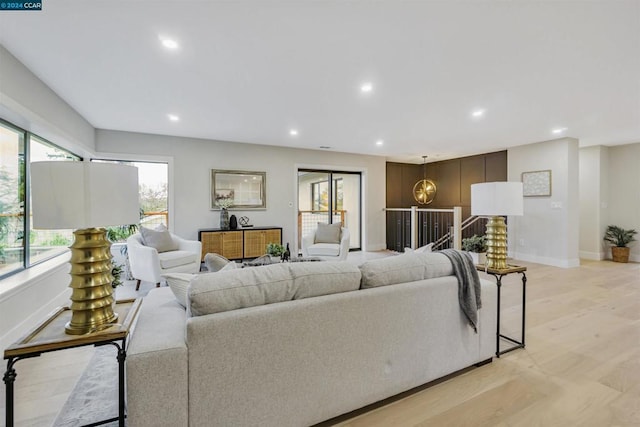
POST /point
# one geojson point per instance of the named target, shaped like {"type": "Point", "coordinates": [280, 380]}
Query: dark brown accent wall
{"type": "Point", "coordinates": [453, 179]}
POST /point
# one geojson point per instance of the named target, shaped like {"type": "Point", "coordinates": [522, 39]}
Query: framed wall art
{"type": "Point", "coordinates": [239, 190]}
{"type": "Point", "coordinates": [536, 183]}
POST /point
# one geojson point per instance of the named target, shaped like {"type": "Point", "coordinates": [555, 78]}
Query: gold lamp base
{"type": "Point", "coordinates": [92, 294]}
{"type": "Point", "coordinates": [496, 243]}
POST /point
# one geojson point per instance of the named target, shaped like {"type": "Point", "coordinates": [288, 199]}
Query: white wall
{"type": "Point", "coordinates": [548, 232]}
{"type": "Point", "coordinates": [27, 102]}
{"type": "Point", "coordinates": [623, 192]}
{"type": "Point", "coordinates": [593, 205]}
{"type": "Point", "coordinates": [193, 160]}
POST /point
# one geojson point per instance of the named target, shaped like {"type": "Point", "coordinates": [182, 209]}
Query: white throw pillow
{"type": "Point", "coordinates": [215, 262]}
{"type": "Point", "coordinates": [160, 240]}
{"type": "Point", "coordinates": [179, 282]}
{"type": "Point", "coordinates": [328, 233]}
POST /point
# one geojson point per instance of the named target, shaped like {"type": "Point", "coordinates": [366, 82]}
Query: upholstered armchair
{"type": "Point", "coordinates": [330, 249]}
{"type": "Point", "coordinates": [150, 261]}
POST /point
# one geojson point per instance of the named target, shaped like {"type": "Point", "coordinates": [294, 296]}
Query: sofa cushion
{"type": "Point", "coordinates": [179, 282]}
{"type": "Point", "coordinates": [324, 249]}
{"type": "Point", "coordinates": [173, 259]}
{"type": "Point", "coordinates": [160, 240]}
{"type": "Point", "coordinates": [328, 233]}
{"type": "Point", "coordinates": [247, 287]}
{"type": "Point", "coordinates": [405, 268]}
{"type": "Point", "coordinates": [214, 262]}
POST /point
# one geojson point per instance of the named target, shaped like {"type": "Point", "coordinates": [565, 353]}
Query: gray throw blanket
{"type": "Point", "coordinates": [468, 284]}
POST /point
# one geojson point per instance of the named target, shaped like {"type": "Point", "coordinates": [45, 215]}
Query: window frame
{"type": "Point", "coordinates": [26, 224]}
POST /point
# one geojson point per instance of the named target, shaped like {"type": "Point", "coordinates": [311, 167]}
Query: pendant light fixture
{"type": "Point", "coordinates": [424, 191]}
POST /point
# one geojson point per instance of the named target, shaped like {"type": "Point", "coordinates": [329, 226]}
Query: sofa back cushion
{"type": "Point", "coordinates": [229, 290]}
{"type": "Point", "coordinates": [405, 268]}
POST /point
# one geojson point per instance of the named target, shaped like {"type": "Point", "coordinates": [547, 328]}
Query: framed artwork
{"type": "Point", "coordinates": [238, 190]}
{"type": "Point", "coordinates": [536, 183]}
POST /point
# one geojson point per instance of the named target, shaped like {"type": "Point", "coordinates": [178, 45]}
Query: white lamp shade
{"type": "Point", "coordinates": [496, 198]}
{"type": "Point", "coordinates": [67, 195]}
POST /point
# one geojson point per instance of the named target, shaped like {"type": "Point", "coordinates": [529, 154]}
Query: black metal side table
{"type": "Point", "coordinates": [50, 336]}
{"type": "Point", "coordinates": [499, 274]}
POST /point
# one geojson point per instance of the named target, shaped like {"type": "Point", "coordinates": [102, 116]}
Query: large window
{"type": "Point", "coordinates": [20, 245]}
{"type": "Point", "coordinates": [153, 183]}
{"type": "Point", "coordinates": [12, 155]}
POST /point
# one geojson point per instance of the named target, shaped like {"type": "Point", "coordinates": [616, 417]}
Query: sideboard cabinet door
{"type": "Point", "coordinates": [256, 241]}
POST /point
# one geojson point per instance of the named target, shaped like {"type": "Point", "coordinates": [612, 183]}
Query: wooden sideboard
{"type": "Point", "coordinates": [238, 244]}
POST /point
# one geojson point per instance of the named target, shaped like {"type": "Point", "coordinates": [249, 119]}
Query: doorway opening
{"type": "Point", "coordinates": [330, 197]}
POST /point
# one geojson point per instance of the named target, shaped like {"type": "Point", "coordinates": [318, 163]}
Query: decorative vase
{"type": "Point", "coordinates": [233, 222]}
{"type": "Point", "coordinates": [224, 219]}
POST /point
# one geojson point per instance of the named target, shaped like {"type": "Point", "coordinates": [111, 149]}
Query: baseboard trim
{"type": "Point", "coordinates": [562, 263]}
{"type": "Point", "coordinates": [594, 256]}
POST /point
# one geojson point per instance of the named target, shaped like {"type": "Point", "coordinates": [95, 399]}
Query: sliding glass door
{"type": "Point", "coordinates": [329, 197]}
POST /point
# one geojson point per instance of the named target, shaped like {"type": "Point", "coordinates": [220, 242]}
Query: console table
{"type": "Point", "coordinates": [499, 274]}
{"type": "Point", "coordinates": [50, 336]}
{"type": "Point", "coordinates": [239, 244]}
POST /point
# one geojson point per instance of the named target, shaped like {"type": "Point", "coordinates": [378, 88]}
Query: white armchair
{"type": "Point", "coordinates": [148, 264]}
{"type": "Point", "coordinates": [327, 251]}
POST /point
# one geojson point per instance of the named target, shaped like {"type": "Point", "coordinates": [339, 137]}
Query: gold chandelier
{"type": "Point", "coordinates": [424, 191]}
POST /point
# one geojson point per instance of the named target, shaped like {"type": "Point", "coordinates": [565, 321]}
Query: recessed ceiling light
{"type": "Point", "coordinates": [293, 132]}
{"type": "Point", "coordinates": [558, 130]}
{"type": "Point", "coordinates": [173, 117]}
{"type": "Point", "coordinates": [379, 142]}
{"type": "Point", "coordinates": [169, 43]}
{"type": "Point", "coordinates": [366, 87]}
{"type": "Point", "coordinates": [478, 113]}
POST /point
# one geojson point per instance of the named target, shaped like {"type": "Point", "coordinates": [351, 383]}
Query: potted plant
{"type": "Point", "coordinates": [116, 272]}
{"type": "Point", "coordinates": [619, 238]}
{"type": "Point", "coordinates": [275, 250]}
{"type": "Point", "coordinates": [477, 247]}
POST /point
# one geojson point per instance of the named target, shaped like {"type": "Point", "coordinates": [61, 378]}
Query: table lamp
{"type": "Point", "coordinates": [496, 199]}
{"type": "Point", "coordinates": [84, 196]}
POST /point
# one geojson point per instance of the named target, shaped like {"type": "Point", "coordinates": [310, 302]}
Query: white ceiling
{"type": "Point", "coordinates": [248, 71]}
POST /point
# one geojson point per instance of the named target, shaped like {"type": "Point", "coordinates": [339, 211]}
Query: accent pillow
{"type": "Point", "coordinates": [160, 240]}
{"type": "Point", "coordinates": [215, 262]}
{"type": "Point", "coordinates": [179, 282]}
{"type": "Point", "coordinates": [328, 233]}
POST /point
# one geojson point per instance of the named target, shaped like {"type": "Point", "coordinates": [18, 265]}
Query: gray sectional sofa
{"type": "Point", "coordinates": [296, 344]}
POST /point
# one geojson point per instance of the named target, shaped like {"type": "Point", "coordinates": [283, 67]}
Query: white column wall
{"type": "Point", "coordinates": [548, 232]}
{"type": "Point", "coordinates": [623, 191]}
{"type": "Point", "coordinates": [593, 205]}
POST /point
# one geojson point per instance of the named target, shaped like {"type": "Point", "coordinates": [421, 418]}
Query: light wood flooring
{"type": "Point", "coordinates": [581, 366]}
